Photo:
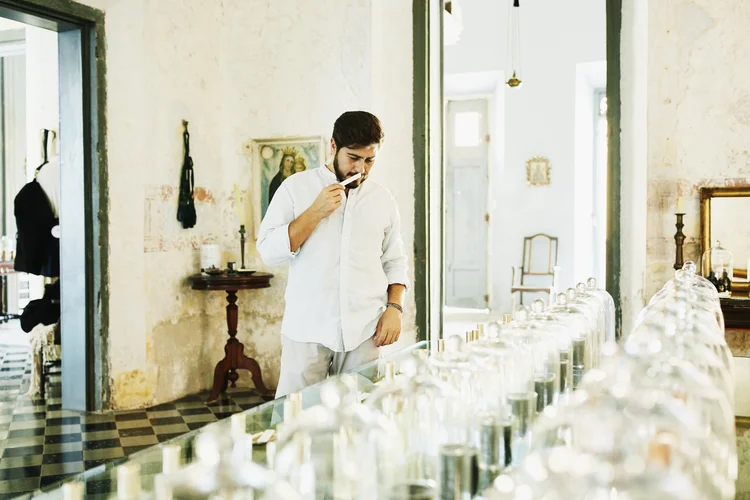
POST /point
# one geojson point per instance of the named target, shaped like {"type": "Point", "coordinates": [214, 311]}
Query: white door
{"type": "Point", "coordinates": [467, 219]}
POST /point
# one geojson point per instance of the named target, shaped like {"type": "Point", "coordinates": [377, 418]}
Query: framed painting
{"type": "Point", "coordinates": [278, 159]}
{"type": "Point", "coordinates": [538, 171]}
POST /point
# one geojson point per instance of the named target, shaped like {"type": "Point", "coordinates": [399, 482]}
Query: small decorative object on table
{"type": "Point", "coordinates": [718, 268]}
{"type": "Point", "coordinates": [213, 271]}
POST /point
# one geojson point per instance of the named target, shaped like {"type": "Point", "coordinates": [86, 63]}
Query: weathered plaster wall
{"type": "Point", "coordinates": [698, 116]}
{"type": "Point", "coordinates": [237, 70]}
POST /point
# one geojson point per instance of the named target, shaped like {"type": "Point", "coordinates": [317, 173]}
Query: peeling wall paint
{"type": "Point", "coordinates": [698, 125]}
{"type": "Point", "coordinates": [236, 70]}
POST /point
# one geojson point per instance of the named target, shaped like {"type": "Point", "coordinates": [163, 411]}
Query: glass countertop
{"type": "Point", "coordinates": [101, 481]}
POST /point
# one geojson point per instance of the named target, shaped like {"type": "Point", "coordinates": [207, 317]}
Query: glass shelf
{"type": "Point", "coordinates": [101, 481]}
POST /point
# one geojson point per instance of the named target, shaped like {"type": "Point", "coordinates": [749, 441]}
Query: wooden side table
{"type": "Point", "coordinates": [234, 358]}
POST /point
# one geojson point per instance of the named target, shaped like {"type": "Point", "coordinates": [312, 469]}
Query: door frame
{"type": "Point", "coordinates": [423, 71]}
{"type": "Point", "coordinates": [614, 179]}
{"type": "Point", "coordinates": [84, 242]}
{"type": "Point", "coordinates": [429, 172]}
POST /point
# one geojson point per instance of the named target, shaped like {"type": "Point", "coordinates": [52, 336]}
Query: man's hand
{"type": "Point", "coordinates": [325, 204]}
{"type": "Point", "coordinates": [389, 327]}
{"type": "Point", "coordinates": [328, 201]}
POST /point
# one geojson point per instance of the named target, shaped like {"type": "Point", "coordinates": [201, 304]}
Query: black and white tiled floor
{"type": "Point", "coordinates": [41, 444]}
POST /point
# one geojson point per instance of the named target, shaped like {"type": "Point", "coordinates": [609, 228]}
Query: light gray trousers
{"type": "Point", "coordinates": [306, 363]}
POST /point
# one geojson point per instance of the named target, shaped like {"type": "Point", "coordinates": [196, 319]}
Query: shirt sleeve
{"type": "Point", "coordinates": [273, 237]}
{"type": "Point", "coordinates": [394, 257]}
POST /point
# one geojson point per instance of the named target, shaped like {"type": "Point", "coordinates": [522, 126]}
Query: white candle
{"type": "Point", "coordinates": [270, 454]}
{"type": "Point", "coordinates": [170, 458]}
{"type": "Point", "coordinates": [680, 208]}
{"type": "Point", "coordinates": [238, 425]}
{"type": "Point", "coordinates": [129, 481]}
{"type": "Point", "coordinates": [290, 410]}
{"type": "Point", "coordinates": [240, 206]}
{"type": "Point", "coordinates": [72, 491]}
{"type": "Point", "coordinates": [162, 488]}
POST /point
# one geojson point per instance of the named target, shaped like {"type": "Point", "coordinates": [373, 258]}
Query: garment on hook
{"type": "Point", "coordinates": [186, 207]}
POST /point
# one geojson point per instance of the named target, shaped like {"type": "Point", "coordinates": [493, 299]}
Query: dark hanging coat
{"type": "Point", "coordinates": [37, 251]}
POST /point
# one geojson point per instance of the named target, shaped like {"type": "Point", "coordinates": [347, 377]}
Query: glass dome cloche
{"type": "Point", "coordinates": [717, 267]}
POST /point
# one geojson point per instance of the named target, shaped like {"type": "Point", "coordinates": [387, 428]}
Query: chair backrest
{"type": "Point", "coordinates": [539, 255]}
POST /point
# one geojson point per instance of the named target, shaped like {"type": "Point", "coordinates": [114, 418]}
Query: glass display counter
{"type": "Point", "coordinates": [101, 481]}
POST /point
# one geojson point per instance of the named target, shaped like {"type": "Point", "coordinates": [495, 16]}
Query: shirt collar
{"type": "Point", "coordinates": [327, 174]}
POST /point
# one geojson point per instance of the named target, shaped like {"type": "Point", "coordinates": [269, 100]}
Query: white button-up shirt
{"type": "Point", "coordinates": [338, 279]}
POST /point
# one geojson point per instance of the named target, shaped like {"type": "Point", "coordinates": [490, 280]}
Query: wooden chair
{"type": "Point", "coordinates": [539, 264]}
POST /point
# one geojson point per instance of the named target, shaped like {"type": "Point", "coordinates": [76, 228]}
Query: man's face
{"type": "Point", "coordinates": [348, 162]}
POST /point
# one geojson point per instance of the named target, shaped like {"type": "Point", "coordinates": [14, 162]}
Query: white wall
{"type": "Point", "coordinates": [42, 109]}
{"type": "Point", "coordinates": [238, 70]}
{"type": "Point", "coordinates": [634, 68]}
{"type": "Point", "coordinates": [42, 103]}
{"type": "Point", "coordinates": [540, 119]}
{"type": "Point", "coordinates": [590, 77]}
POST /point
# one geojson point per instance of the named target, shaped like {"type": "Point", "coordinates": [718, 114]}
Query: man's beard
{"type": "Point", "coordinates": [340, 176]}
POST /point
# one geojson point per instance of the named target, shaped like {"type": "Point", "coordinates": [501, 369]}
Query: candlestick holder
{"type": "Point", "coordinates": [242, 246]}
{"type": "Point", "coordinates": [679, 239]}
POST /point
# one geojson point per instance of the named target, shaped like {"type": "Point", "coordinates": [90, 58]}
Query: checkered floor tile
{"type": "Point", "coordinates": [41, 444]}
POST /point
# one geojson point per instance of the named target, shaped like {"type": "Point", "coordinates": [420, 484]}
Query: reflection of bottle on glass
{"type": "Point", "coordinates": [719, 269]}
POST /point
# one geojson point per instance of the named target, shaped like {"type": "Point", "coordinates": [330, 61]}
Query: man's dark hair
{"type": "Point", "coordinates": [357, 129]}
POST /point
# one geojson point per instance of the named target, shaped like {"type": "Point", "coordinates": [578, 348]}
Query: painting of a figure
{"type": "Point", "coordinates": [280, 159]}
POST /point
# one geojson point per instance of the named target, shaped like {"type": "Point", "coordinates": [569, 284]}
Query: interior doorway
{"type": "Point", "coordinates": [548, 161]}
{"type": "Point", "coordinates": [467, 236]}
{"type": "Point", "coordinates": [78, 33]}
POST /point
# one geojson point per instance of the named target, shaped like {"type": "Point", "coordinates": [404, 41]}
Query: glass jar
{"type": "Point", "coordinates": [619, 436]}
{"type": "Point", "coordinates": [718, 268]}
{"type": "Point", "coordinates": [218, 474]}
{"type": "Point", "coordinates": [501, 361]}
{"type": "Point", "coordinates": [561, 332]}
{"type": "Point", "coordinates": [581, 334]}
{"type": "Point", "coordinates": [543, 344]}
{"type": "Point", "coordinates": [340, 449]}
{"type": "Point", "coordinates": [608, 304]}
{"type": "Point", "coordinates": [427, 412]}
{"type": "Point", "coordinates": [584, 299]}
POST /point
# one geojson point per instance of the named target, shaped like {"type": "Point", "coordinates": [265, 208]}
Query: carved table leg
{"type": "Point", "coordinates": [234, 357]}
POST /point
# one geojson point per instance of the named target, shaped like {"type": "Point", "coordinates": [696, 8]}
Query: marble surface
{"type": "Point", "coordinates": [738, 341]}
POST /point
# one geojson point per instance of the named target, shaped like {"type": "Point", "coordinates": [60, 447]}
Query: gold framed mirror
{"type": "Point", "coordinates": [721, 209]}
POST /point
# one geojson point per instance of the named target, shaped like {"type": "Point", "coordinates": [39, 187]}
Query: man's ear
{"type": "Point", "coordinates": [333, 149]}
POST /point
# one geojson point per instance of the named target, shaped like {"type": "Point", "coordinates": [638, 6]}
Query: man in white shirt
{"type": "Point", "coordinates": [347, 265]}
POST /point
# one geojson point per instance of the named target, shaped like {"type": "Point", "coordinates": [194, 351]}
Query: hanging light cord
{"type": "Point", "coordinates": [513, 47]}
